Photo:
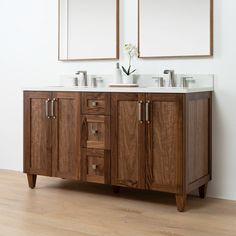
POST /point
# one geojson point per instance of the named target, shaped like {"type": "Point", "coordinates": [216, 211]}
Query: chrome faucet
{"type": "Point", "coordinates": [171, 74]}
{"type": "Point", "coordinates": [84, 72]}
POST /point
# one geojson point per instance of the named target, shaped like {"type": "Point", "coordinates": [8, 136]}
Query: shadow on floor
{"type": "Point", "coordinates": [125, 193]}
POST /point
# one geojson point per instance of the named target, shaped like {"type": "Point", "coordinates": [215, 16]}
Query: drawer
{"type": "Point", "coordinates": [95, 132]}
{"type": "Point", "coordinates": [96, 103]}
{"type": "Point", "coordinates": [96, 166]}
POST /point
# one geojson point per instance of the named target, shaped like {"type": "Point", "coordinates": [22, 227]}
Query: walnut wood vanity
{"type": "Point", "coordinates": [154, 141]}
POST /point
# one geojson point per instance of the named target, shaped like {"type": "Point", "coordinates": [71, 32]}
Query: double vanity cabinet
{"type": "Point", "coordinates": [153, 141]}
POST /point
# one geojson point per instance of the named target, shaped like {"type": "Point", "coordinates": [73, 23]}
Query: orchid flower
{"type": "Point", "coordinates": [132, 51]}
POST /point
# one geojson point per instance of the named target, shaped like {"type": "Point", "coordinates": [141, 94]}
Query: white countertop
{"type": "Point", "coordinates": [120, 90]}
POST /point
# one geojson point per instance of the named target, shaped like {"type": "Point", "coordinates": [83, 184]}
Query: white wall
{"type": "Point", "coordinates": [28, 57]}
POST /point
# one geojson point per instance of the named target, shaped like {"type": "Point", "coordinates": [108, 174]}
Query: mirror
{"type": "Point", "coordinates": [88, 29]}
{"type": "Point", "coordinates": [175, 28]}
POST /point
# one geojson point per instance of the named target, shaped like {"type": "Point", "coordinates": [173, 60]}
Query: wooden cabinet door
{"type": "Point", "coordinates": [66, 135]}
{"type": "Point", "coordinates": [165, 138]}
{"type": "Point", "coordinates": [127, 140]}
{"type": "Point", "coordinates": [37, 134]}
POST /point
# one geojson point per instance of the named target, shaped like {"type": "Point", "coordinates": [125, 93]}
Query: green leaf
{"type": "Point", "coordinates": [132, 71]}
{"type": "Point", "coordinates": [129, 70]}
{"type": "Point", "coordinates": [125, 71]}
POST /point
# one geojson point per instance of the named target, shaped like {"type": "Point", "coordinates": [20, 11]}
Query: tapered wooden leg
{"type": "Point", "coordinates": [202, 191]}
{"type": "Point", "coordinates": [31, 180]}
{"type": "Point", "coordinates": [180, 201]}
{"type": "Point", "coordinates": [116, 189]}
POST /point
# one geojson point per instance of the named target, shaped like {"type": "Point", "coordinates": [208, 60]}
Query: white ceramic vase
{"type": "Point", "coordinates": [128, 79]}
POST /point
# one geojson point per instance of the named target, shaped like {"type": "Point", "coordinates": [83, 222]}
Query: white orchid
{"type": "Point", "coordinates": [132, 51]}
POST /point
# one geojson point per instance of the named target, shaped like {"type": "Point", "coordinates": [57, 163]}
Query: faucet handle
{"type": "Point", "coordinates": [94, 80]}
{"type": "Point", "coordinates": [185, 80]}
{"type": "Point", "coordinates": [159, 80]}
{"type": "Point", "coordinates": [99, 78]}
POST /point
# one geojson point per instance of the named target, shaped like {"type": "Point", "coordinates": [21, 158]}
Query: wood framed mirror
{"type": "Point", "coordinates": [175, 28]}
{"type": "Point", "coordinates": [88, 30]}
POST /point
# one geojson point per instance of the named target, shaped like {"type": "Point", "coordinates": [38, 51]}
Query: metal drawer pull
{"type": "Point", "coordinates": [140, 111]}
{"type": "Point", "coordinates": [46, 108]}
{"type": "Point", "coordinates": [94, 131]}
{"type": "Point", "coordinates": [52, 108]}
{"type": "Point", "coordinates": [94, 104]}
{"type": "Point", "coordinates": [94, 167]}
{"type": "Point", "coordinates": [147, 112]}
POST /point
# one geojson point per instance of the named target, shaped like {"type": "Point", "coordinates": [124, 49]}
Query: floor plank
{"type": "Point", "coordinates": [61, 207]}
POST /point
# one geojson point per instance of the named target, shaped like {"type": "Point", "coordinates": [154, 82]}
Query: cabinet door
{"type": "Point", "coordinates": [37, 133]}
{"type": "Point", "coordinates": [164, 132]}
{"type": "Point", "coordinates": [127, 140]}
{"type": "Point", "coordinates": [66, 135]}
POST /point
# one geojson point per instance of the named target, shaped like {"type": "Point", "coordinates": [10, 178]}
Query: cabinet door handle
{"type": "Point", "coordinates": [52, 108]}
{"type": "Point", "coordinates": [46, 108]}
{"type": "Point", "coordinates": [147, 112]}
{"type": "Point", "coordinates": [140, 111]}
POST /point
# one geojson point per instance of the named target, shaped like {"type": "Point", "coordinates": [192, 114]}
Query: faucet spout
{"type": "Point", "coordinates": [171, 74]}
{"type": "Point", "coordinates": [84, 72]}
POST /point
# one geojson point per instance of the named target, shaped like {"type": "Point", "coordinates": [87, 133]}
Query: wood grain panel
{"type": "Point", "coordinates": [96, 132]}
{"type": "Point", "coordinates": [128, 151]}
{"type": "Point", "coordinates": [165, 143]}
{"type": "Point", "coordinates": [99, 158]}
{"type": "Point", "coordinates": [37, 134]}
{"type": "Point", "coordinates": [66, 136]}
{"type": "Point", "coordinates": [96, 103]}
{"type": "Point", "coordinates": [198, 139]}
{"type": "Point", "coordinates": [128, 167]}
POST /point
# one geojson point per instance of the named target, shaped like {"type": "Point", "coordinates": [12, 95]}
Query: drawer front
{"type": "Point", "coordinates": [96, 132]}
{"type": "Point", "coordinates": [96, 164]}
{"type": "Point", "coordinates": [96, 104]}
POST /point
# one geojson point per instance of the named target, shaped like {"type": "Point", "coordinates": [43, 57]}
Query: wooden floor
{"type": "Point", "coordinates": [60, 207]}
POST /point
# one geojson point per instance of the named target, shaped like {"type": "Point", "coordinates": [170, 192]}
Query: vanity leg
{"type": "Point", "coordinates": [31, 180]}
{"type": "Point", "coordinates": [180, 201]}
{"type": "Point", "coordinates": [116, 189]}
{"type": "Point", "coordinates": [202, 191]}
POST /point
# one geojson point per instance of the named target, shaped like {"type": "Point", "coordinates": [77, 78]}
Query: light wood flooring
{"type": "Point", "coordinates": [60, 207]}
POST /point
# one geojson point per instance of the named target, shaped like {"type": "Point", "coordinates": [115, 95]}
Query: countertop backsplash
{"type": "Point", "coordinates": [200, 80]}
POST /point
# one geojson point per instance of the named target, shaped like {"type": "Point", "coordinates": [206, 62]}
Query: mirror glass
{"type": "Point", "coordinates": [88, 29]}
{"type": "Point", "coordinates": [175, 28]}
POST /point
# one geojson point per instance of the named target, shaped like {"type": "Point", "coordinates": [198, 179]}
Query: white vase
{"type": "Point", "coordinates": [128, 79]}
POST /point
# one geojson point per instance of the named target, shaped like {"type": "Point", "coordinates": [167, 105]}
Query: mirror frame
{"type": "Point", "coordinates": [93, 59]}
{"type": "Point", "coordinates": [211, 33]}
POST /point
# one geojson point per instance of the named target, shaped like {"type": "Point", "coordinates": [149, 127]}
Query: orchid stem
{"type": "Point", "coordinates": [129, 60]}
